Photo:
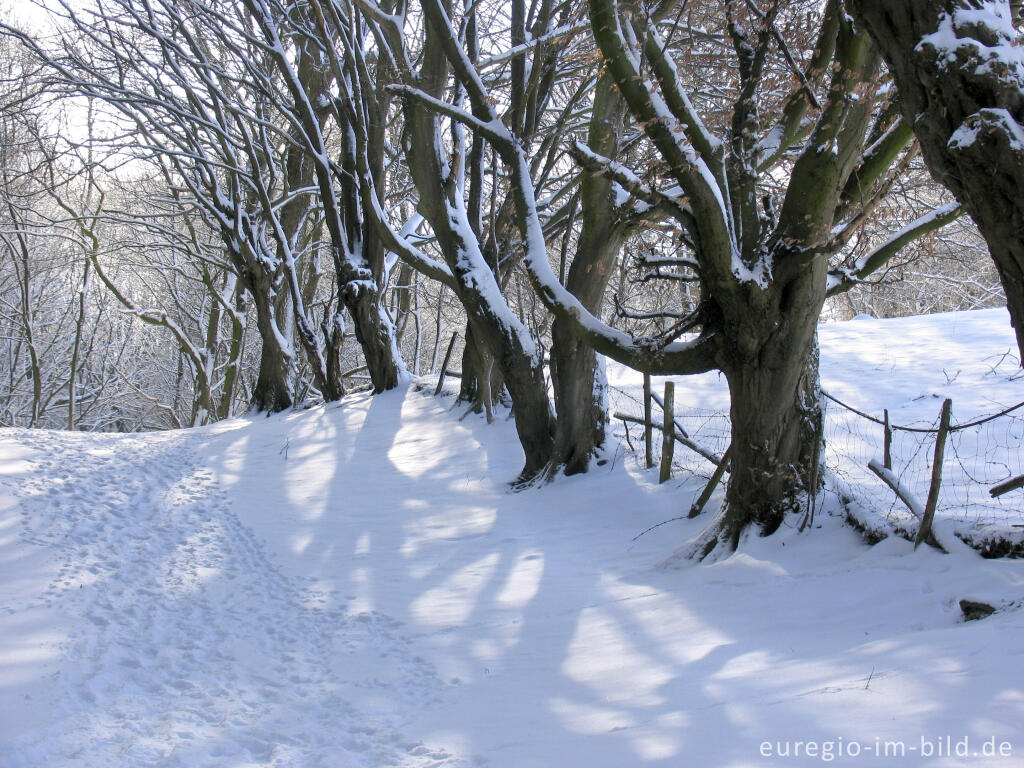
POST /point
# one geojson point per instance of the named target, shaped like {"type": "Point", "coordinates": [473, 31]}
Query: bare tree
{"type": "Point", "coordinates": [204, 99]}
{"type": "Point", "coordinates": [303, 63]}
{"type": "Point", "coordinates": [760, 248]}
{"type": "Point", "coordinates": [447, 174]}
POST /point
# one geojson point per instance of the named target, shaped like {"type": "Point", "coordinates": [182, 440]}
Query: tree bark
{"type": "Point", "coordinates": [77, 344]}
{"type": "Point", "coordinates": [475, 383]}
{"type": "Point", "coordinates": [775, 411]}
{"type": "Point", "coordinates": [495, 328]}
{"type": "Point", "coordinates": [363, 294]}
{"type": "Point", "coordinates": [234, 362]}
{"type": "Point", "coordinates": [357, 252]}
{"type": "Point", "coordinates": [577, 378]}
{"type": "Point", "coordinates": [294, 215]}
{"type": "Point", "coordinates": [964, 101]}
{"type": "Point", "coordinates": [375, 334]}
{"type": "Point", "coordinates": [401, 300]}
{"type": "Point", "coordinates": [580, 390]}
{"type": "Point", "coordinates": [273, 390]}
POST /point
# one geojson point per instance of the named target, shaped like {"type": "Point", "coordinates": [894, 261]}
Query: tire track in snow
{"type": "Point", "coordinates": [190, 647]}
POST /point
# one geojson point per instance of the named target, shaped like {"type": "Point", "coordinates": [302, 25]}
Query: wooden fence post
{"type": "Point", "coordinates": [905, 495]}
{"type": "Point", "coordinates": [933, 491]}
{"type": "Point", "coordinates": [716, 478]}
{"type": "Point", "coordinates": [444, 365]}
{"type": "Point", "coordinates": [648, 424]}
{"type": "Point", "coordinates": [668, 432]}
{"type": "Point", "coordinates": [887, 445]}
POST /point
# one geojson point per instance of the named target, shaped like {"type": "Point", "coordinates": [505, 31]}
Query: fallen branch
{"type": "Point", "coordinates": [1005, 487]}
{"type": "Point", "coordinates": [716, 478]}
{"type": "Point", "coordinates": [904, 494]}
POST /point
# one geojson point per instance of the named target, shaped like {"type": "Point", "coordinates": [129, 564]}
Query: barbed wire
{"type": "Point", "coordinates": [932, 430]}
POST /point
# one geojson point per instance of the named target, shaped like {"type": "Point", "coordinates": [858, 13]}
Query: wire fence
{"type": "Point", "coordinates": [981, 452]}
{"type": "Point", "coordinates": [707, 427]}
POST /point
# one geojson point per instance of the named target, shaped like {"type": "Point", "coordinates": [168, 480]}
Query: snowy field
{"type": "Point", "coordinates": [355, 586]}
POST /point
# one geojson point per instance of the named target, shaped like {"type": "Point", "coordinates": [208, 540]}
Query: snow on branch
{"type": "Point", "coordinates": [696, 356]}
{"type": "Point", "coordinates": [631, 183]}
{"type": "Point", "coordinates": [558, 34]}
{"type": "Point", "coordinates": [669, 134]}
{"type": "Point", "coordinates": [706, 143]}
{"type": "Point", "coordinates": [493, 130]}
{"type": "Point", "coordinates": [843, 279]}
{"type": "Point", "coordinates": [985, 121]}
{"type": "Point", "coordinates": [465, 71]}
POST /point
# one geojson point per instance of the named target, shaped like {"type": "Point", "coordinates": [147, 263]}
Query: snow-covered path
{"type": "Point", "coordinates": [194, 646]}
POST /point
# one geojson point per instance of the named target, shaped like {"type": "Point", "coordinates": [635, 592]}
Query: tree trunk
{"type": "Point", "coordinates": [523, 376]}
{"type": "Point", "coordinates": [294, 231]}
{"type": "Point", "coordinates": [964, 100]}
{"type": "Point", "coordinates": [363, 287]}
{"type": "Point", "coordinates": [273, 391]}
{"type": "Point", "coordinates": [775, 411]}
{"type": "Point", "coordinates": [475, 384]}
{"type": "Point", "coordinates": [495, 326]}
{"type": "Point", "coordinates": [401, 300]}
{"type": "Point", "coordinates": [333, 329]}
{"type": "Point", "coordinates": [375, 334]}
{"type": "Point", "coordinates": [234, 362]}
{"type": "Point", "coordinates": [532, 411]}
{"type": "Point", "coordinates": [77, 344]}
{"type": "Point", "coordinates": [364, 298]}
{"type": "Point", "coordinates": [581, 404]}
{"type": "Point", "coordinates": [578, 379]}
{"type": "Point", "coordinates": [27, 317]}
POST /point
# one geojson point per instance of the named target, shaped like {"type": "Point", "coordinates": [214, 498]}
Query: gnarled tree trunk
{"type": "Point", "coordinates": [375, 334]}
{"type": "Point", "coordinates": [363, 293]}
{"type": "Point", "coordinates": [273, 390]}
{"type": "Point", "coordinates": [581, 405]}
{"type": "Point", "coordinates": [776, 415]}
{"type": "Point", "coordinates": [495, 327]}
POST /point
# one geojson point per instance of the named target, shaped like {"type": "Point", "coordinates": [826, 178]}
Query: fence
{"type": "Point", "coordinates": [708, 428]}
{"type": "Point", "coordinates": [980, 453]}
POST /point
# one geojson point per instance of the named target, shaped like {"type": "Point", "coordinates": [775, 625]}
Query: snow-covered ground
{"type": "Point", "coordinates": [355, 586]}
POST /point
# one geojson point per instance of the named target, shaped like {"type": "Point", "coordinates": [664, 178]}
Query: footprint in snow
{"type": "Point", "coordinates": [190, 646]}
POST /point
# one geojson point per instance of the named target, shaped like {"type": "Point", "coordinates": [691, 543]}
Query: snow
{"type": "Point", "coordinates": [355, 585]}
{"type": "Point", "coordinates": [955, 38]}
{"type": "Point", "coordinates": [769, 144]}
{"type": "Point", "coordinates": [988, 120]}
{"type": "Point", "coordinates": [478, 278]}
